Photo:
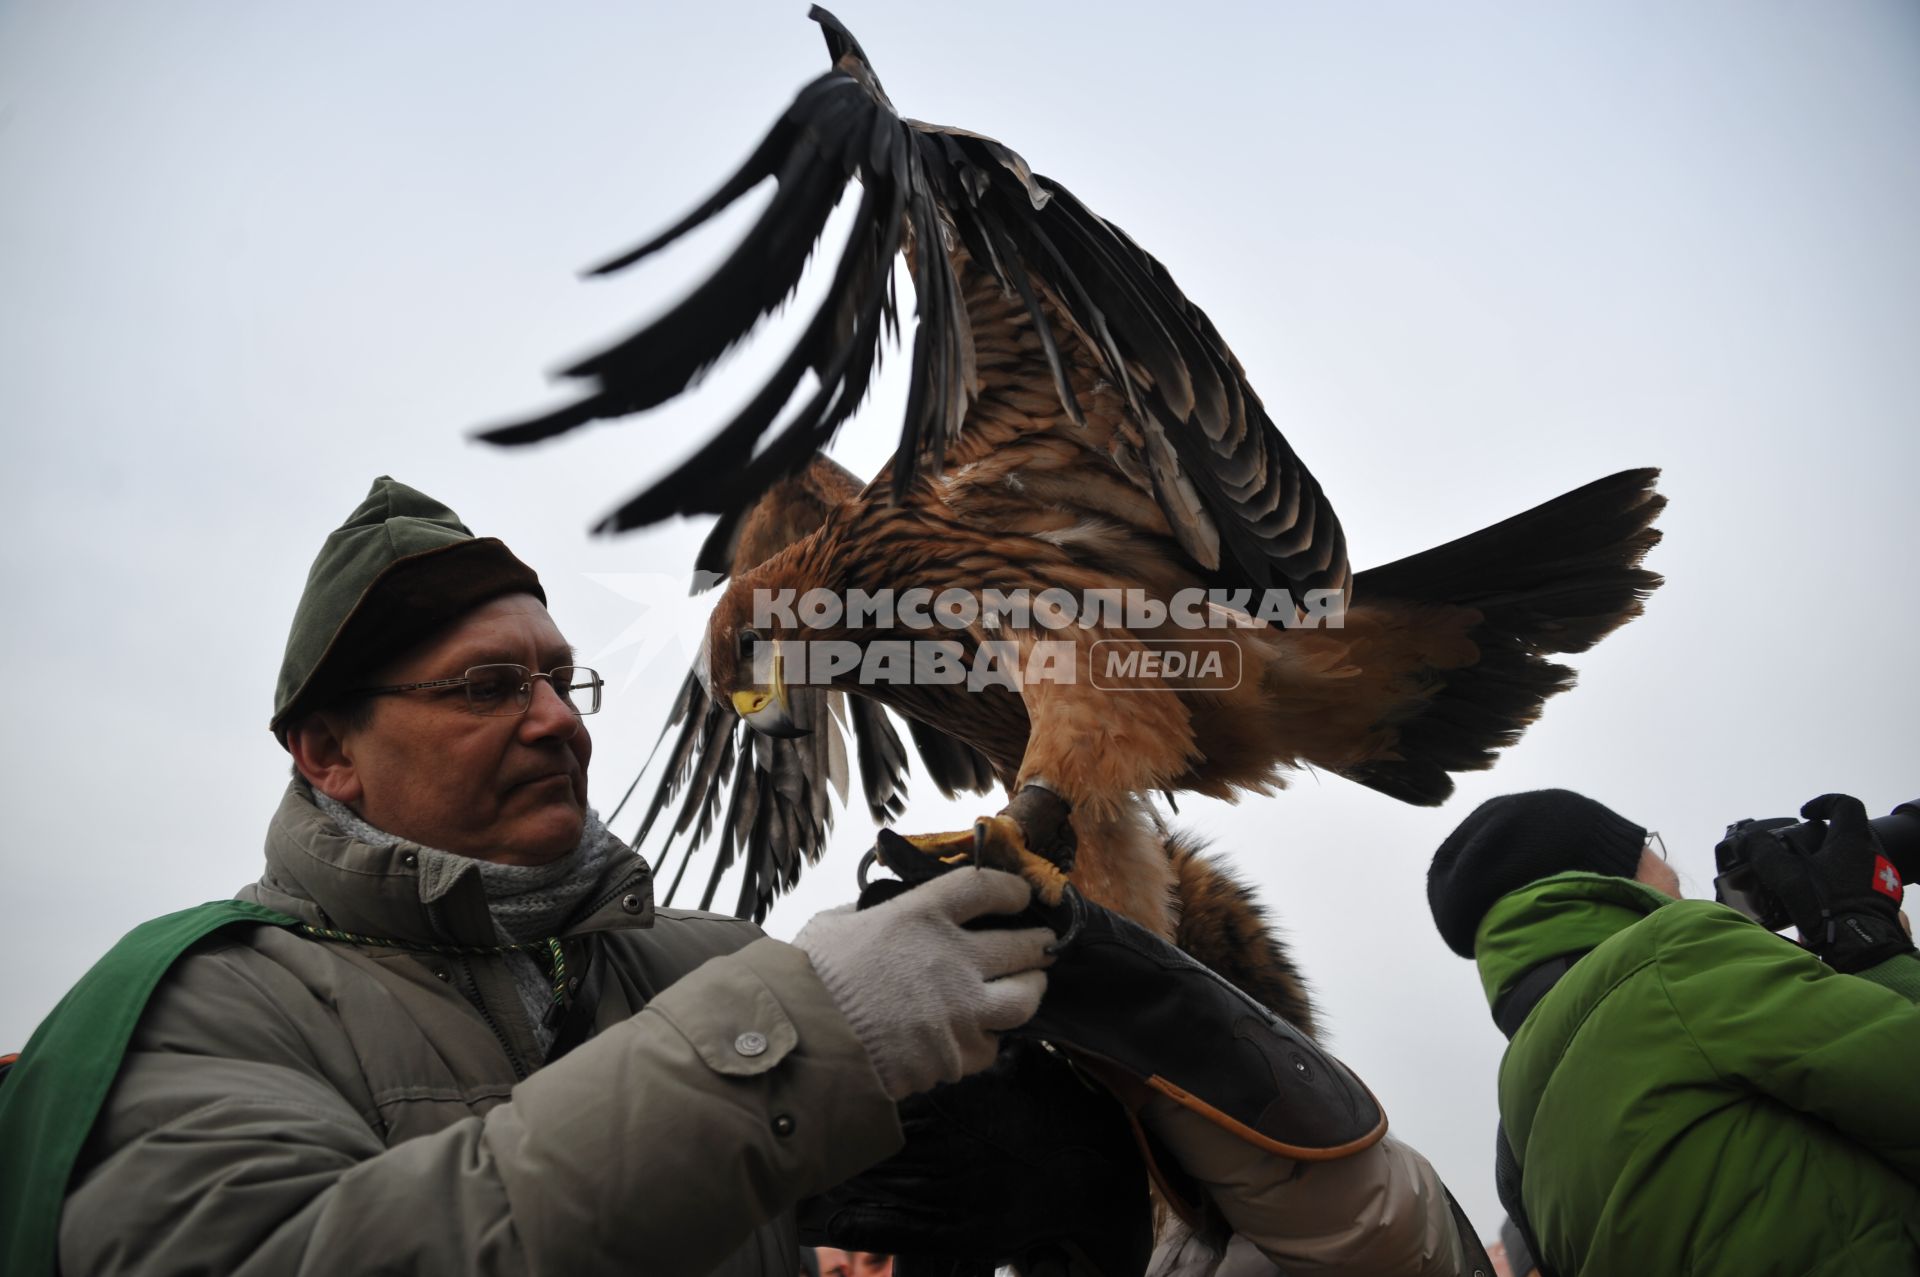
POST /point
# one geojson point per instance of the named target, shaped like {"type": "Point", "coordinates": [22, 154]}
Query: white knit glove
{"type": "Point", "coordinates": [926, 997]}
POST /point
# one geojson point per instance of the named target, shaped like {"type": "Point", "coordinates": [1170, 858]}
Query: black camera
{"type": "Point", "coordinates": [1738, 886]}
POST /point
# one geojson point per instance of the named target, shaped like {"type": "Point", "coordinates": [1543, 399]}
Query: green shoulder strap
{"type": "Point", "coordinates": [51, 1096]}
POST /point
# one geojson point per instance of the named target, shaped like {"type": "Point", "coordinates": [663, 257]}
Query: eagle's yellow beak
{"type": "Point", "coordinates": [767, 710]}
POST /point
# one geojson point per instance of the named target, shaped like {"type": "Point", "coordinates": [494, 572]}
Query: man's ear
{"type": "Point", "coordinates": [321, 756]}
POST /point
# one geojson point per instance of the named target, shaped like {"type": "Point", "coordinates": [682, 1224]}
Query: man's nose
{"type": "Point", "coordinates": [548, 715]}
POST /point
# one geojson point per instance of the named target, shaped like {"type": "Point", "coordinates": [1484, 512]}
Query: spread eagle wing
{"type": "Point", "coordinates": [1235, 497]}
{"type": "Point", "coordinates": [770, 801]}
{"type": "Point", "coordinates": [1101, 314]}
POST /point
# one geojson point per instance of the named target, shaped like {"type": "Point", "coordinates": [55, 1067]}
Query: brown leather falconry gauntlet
{"type": "Point", "coordinates": [1144, 1017]}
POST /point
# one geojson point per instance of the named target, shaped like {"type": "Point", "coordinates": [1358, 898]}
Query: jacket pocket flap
{"type": "Point", "coordinates": [740, 1031]}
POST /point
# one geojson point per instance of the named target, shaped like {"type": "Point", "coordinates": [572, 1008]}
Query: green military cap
{"type": "Point", "coordinates": [400, 568]}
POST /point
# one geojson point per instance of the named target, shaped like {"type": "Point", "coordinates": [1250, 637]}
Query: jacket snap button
{"type": "Point", "coordinates": [783, 1125]}
{"type": "Point", "coordinates": [750, 1043]}
{"type": "Point", "coordinates": [442, 973]}
{"type": "Point", "coordinates": [408, 859]}
{"type": "Point", "coordinates": [630, 902]}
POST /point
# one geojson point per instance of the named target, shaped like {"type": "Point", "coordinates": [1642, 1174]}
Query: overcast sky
{"type": "Point", "coordinates": [1471, 256]}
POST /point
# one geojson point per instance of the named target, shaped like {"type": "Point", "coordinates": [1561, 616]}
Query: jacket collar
{"type": "Point", "coordinates": [321, 875]}
{"type": "Point", "coordinates": [1567, 914]}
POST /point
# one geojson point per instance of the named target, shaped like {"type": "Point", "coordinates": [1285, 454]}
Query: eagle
{"type": "Point", "coordinates": [1076, 431]}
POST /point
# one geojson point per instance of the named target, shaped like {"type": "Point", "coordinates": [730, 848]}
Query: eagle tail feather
{"type": "Point", "coordinates": [1555, 579]}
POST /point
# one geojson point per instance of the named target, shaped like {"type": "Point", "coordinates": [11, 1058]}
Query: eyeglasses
{"type": "Point", "coordinates": [504, 691]}
{"type": "Point", "coordinates": [1656, 844]}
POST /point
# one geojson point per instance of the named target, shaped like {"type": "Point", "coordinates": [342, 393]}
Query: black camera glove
{"type": "Point", "coordinates": [1024, 1164]}
{"type": "Point", "coordinates": [1844, 895]}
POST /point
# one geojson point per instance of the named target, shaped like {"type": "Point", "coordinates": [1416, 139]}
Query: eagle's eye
{"type": "Point", "coordinates": [748, 640]}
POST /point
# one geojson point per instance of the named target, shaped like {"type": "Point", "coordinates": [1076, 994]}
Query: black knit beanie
{"type": "Point", "coordinates": [1516, 839]}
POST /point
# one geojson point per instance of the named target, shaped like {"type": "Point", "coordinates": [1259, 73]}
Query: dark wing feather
{"type": "Point", "coordinates": [697, 716]}
{"type": "Point", "coordinates": [1238, 499]}
{"type": "Point", "coordinates": [883, 762]}
{"type": "Point", "coordinates": [954, 766]}
{"type": "Point", "coordinates": [769, 803]}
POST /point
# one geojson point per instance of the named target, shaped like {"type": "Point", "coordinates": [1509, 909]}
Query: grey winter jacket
{"type": "Point", "coordinates": [291, 1105]}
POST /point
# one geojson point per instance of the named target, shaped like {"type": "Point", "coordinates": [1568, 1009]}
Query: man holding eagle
{"type": "Point", "coordinates": [448, 1028]}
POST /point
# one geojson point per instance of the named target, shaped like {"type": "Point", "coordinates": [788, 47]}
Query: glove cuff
{"type": "Point", "coordinates": [854, 1008]}
{"type": "Point", "coordinates": [1124, 997]}
{"type": "Point", "coordinates": [1861, 940]}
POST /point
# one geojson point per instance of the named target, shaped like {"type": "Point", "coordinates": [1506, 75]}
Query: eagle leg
{"type": "Point", "coordinates": [1045, 822]}
{"type": "Point", "coordinates": [996, 842]}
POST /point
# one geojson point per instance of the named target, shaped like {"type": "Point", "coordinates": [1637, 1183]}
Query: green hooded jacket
{"type": "Point", "coordinates": [1699, 1096]}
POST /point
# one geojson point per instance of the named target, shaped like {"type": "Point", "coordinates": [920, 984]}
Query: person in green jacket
{"type": "Point", "coordinates": [1684, 1091]}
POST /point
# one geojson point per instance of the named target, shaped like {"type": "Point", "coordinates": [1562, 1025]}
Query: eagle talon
{"type": "Point", "coordinates": [917, 858]}
{"type": "Point", "coordinates": [1000, 843]}
{"type": "Point", "coordinates": [995, 842]}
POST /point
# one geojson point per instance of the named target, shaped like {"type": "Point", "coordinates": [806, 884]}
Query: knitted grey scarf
{"type": "Point", "coordinates": [528, 902]}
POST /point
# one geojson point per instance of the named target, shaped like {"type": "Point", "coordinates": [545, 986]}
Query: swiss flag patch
{"type": "Point", "coordinates": [1886, 879]}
